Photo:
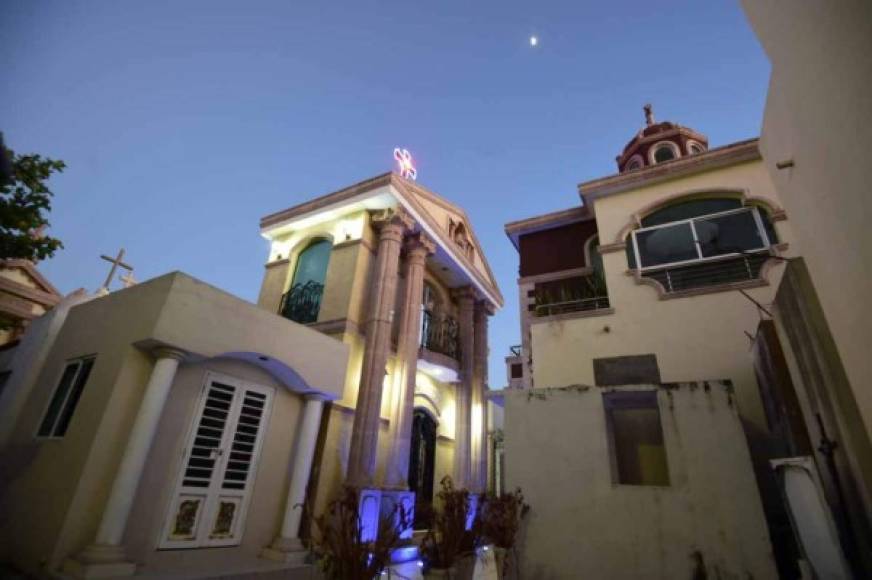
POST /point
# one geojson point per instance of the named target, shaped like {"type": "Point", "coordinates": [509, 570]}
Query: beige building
{"type": "Point", "coordinates": [395, 272]}
{"type": "Point", "coordinates": [172, 430]}
{"type": "Point", "coordinates": [657, 278]}
{"type": "Point", "coordinates": [168, 415]}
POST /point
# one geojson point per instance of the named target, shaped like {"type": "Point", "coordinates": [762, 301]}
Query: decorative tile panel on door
{"type": "Point", "coordinates": [218, 471]}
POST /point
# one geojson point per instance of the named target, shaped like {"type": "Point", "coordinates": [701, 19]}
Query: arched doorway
{"type": "Point", "coordinates": [421, 462]}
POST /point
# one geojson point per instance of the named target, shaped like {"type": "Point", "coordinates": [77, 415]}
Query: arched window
{"type": "Point", "coordinates": [635, 162]}
{"type": "Point", "coordinates": [663, 153]}
{"type": "Point", "coordinates": [693, 148]}
{"type": "Point", "coordinates": [701, 242]}
{"type": "Point", "coordinates": [594, 258]}
{"type": "Point", "coordinates": [303, 301]}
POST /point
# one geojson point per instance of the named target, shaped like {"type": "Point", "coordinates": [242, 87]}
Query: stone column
{"type": "Point", "coordinates": [463, 399]}
{"type": "Point", "coordinates": [418, 247]}
{"type": "Point", "coordinates": [287, 546]}
{"type": "Point", "coordinates": [479, 402]}
{"type": "Point", "coordinates": [106, 555]}
{"type": "Point", "coordinates": [392, 224]}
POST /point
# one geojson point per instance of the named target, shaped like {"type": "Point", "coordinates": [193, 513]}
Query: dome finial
{"type": "Point", "coordinates": [649, 114]}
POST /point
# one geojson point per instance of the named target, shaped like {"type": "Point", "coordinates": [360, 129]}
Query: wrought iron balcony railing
{"type": "Point", "coordinates": [440, 334]}
{"type": "Point", "coordinates": [573, 294]}
{"type": "Point", "coordinates": [302, 302]}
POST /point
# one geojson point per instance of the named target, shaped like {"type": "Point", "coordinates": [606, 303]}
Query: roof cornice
{"type": "Point", "coordinates": [732, 154]}
{"type": "Point", "coordinates": [325, 200]}
{"type": "Point", "coordinates": [546, 222]}
{"type": "Point", "coordinates": [401, 185]}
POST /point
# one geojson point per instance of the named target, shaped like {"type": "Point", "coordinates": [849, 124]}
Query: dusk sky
{"type": "Point", "coordinates": [183, 123]}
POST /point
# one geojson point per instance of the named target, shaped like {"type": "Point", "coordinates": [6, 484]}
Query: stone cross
{"type": "Point", "coordinates": [116, 262]}
{"type": "Point", "coordinates": [649, 114]}
{"type": "Point", "coordinates": [128, 280]}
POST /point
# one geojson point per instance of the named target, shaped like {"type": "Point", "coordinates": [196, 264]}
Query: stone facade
{"type": "Point", "coordinates": [408, 288]}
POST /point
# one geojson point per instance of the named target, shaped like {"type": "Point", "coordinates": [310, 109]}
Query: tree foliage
{"type": "Point", "coordinates": [25, 201]}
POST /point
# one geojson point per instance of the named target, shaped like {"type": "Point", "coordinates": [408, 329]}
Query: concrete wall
{"type": "Point", "coordinates": [583, 525]}
{"type": "Point", "coordinates": [819, 115]}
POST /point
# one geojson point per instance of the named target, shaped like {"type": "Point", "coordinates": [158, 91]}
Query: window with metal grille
{"type": "Point", "coordinates": [65, 398]}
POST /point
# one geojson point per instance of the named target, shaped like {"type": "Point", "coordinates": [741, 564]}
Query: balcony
{"type": "Point", "coordinates": [440, 334]}
{"type": "Point", "coordinates": [571, 294]}
{"type": "Point", "coordinates": [302, 302]}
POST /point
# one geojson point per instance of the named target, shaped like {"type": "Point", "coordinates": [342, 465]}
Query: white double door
{"type": "Point", "coordinates": [220, 463]}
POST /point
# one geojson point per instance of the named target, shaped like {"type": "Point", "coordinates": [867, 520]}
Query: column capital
{"type": "Point", "coordinates": [169, 352]}
{"type": "Point", "coordinates": [419, 245]}
{"type": "Point", "coordinates": [392, 222]}
{"type": "Point", "coordinates": [485, 308]}
{"type": "Point", "coordinates": [465, 296]}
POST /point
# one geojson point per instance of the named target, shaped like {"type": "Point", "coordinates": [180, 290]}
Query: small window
{"type": "Point", "coordinates": [693, 149]}
{"type": "Point", "coordinates": [635, 435]}
{"type": "Point", "coordinates": [664, 153]}
{"type": "Point", "coordinates": [66, 397]}
{"type": "Point", "coordinates": [517, 371]}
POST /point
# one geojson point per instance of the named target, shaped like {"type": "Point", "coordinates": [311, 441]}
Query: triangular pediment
{"type": "Point", "coordinates": [453, 222]}
{"type": "Point", "coordinates": [22, 274]}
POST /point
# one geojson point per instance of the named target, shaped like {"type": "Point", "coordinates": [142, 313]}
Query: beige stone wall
{"type": "Point", "coordinates": [632, 531]}
{"type": "Point", "coordinates": [818, 116]}
{"type": "Point", "coordinates": [694, 338]}
{"type": "Point", "coordinates": [275, 280]}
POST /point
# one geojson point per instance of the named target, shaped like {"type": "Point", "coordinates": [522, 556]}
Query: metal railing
{"type": "Point", "coordinates": [742, 269]}
{"type": "Point", "coordinates": [572, 294]}
{"type": "Point", "coordinates": [440, 334]}
{"type": "Point", "coordinates": [302, 302]}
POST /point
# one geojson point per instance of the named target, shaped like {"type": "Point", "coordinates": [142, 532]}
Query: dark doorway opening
{"type": "Point", "coordinates": [421, 463]}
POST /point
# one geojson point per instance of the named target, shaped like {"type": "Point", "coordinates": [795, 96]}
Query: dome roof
{"type": "Point", "coordinates": [659, 143]}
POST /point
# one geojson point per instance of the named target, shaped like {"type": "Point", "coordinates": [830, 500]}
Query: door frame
{"type": "Point", "coordinates": [193, 423]}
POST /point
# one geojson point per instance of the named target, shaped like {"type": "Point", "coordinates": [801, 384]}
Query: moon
{"type": "Point", "coordinates": [534, 41]}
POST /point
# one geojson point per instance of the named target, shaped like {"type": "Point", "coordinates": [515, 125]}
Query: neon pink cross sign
{"type": "Point", "coordinates": [404, 159]}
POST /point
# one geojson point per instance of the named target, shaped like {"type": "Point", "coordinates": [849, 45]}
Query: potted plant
{"type": "Point", "coordinates": [339, 547]}
{"type": "Point", "coordinates": [501, 520]}
{"type": "Point", "coordinates": [448, 540]}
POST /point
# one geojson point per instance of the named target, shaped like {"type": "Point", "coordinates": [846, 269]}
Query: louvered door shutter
{"type": "Point", "coordinates": [218, 470]}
